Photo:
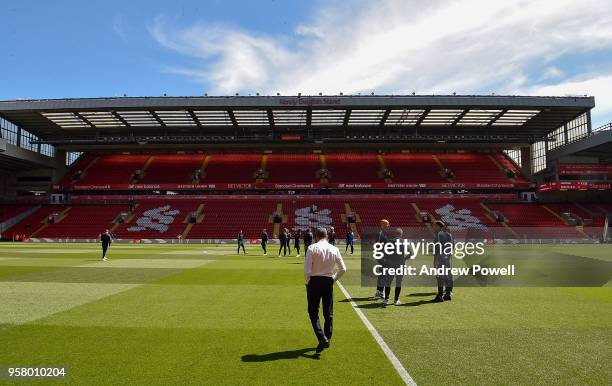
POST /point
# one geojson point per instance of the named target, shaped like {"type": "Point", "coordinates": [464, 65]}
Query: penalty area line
{"type": "Point", "coordinates": [383, 345]}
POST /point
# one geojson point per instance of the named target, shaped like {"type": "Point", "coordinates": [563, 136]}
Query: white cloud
{"type": "Point", "coordinates": [400, 46]}
{"type": "Point", "coordinates": [598, 85]}
{"type": "Point", "coordinates": [119, 21]}
{"type": "Point", "coordinates": [552, 72]}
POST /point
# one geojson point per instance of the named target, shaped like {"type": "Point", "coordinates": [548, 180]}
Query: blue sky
{"type": "Point", "coordinates": [55, 49]}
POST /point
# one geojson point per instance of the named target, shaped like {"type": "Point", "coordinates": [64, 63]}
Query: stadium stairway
{"type": "Point", "coordinates": [199, 217]}
{"type": "Point", "coordinates": [382, 167]}
{"type": "Point", "coordinates": [12, 215]}
{"type": "Point", "coordinates": [491, 216]}
{"type": "Point", "coordinates": [554, 210]}
{"type": "Point", "coordinates": [84, 163]}
{"type": "Point", "coordinates": [344, 217]}
{"type": "Point", "coordinates": [224, 218]}
{"type": "Point", "coordinates": [441, 167]}
{"type": "Point", "coordinates": [143, 170]}
{"type": "Point", "coordinates": [277, 225]}
{"type": "Point", "coordinates": [114, 169]}
{"type": "Point", "coordinates": [81, 221]}
{"type": "Point", "coordinates": [508, 163]}
{"type": "Point", "coordinates": [501, 168]}
{"type": "Point", "coordinates": [263, 166]}
{"type": "Point", "coordinates": [171, 169]}
{"type": "Point", "coordinates": [413, 167]}
{"type": "Point", "coordinates": [9, 212]}
{"type": "Point", "coordinates": [203, 169]}
{"type": "Point", "coordinates": [128, 219]}
{"type": "Point", "coordinates": [323, 166]}
{"type": "Point", "coordinates": [533, 220]}
{"type": "Point", "coordinates": [232, 168]}
{"type": "Point", "coordinates": [30, 224]}
{"type": "Point", "coordinates": [473, 168]}
{"type": "Point", "coordinates": [39, 232]}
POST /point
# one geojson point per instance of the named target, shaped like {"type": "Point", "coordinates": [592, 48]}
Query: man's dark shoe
{"type": "Point", "coordinates": [437, 299]}
{"type": "Point", "coordinates": [322, 346]}
{"type": "Point", "coordinates": [447, 296]}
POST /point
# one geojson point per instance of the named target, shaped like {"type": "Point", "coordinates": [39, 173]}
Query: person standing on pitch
{"type": "Point", "coordinates": [332, 236]}
{"type": "Point", "coordinates": [350, 239]}
{"type": "Point", "coordinates": [288, 241]}
{"type": "Point", "coordinates": [241, 242]}
{"type": "Point", "coordinates": [444, 245]}
{"type": "Point", "coordinates": [106, 240]}
{"type": "Point", "coordinates": [395, 261]}
{"type": "Point", "coordinates": [308, 237]}
{"type": "Point", "coordinates": [264, 242]}
{"type": "Point", "coordinates": [381, 238]}
{"type": "Point", "coordinates": [319, 264]}
{"type": "Point", "coordinates": [296, 242]}
{"type": "Point", "coordinates": [282, 242]}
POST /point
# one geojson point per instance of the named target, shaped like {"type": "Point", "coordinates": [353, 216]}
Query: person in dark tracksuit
{"type": "Point", "coordinates": [264, 242]}
{"type": "Point", "coordinates": [381, 238]}
{"type": "Point", "coordinates": [308, 237]}
{"type": "Point", "coordinates": [350, 239]}
{"type": "Point", "coordinates": [282, 242]}
{"type": "Point", "coordinates": [394, 261]}
{"type": "Point", "coordinates": [106, 241]}
{"type": "Point", "coordinates": [241, 242]}
{"type": "Point", "coordinates": [297, 241]}
{"type": "Point", "coordinates": [319, 263]}
{"type": "Point", "coordinates": [332, 236]}
{"type": "Point", "coordinates": [288, 241]}
{"type": "Point", "coordinates": [442, 259]}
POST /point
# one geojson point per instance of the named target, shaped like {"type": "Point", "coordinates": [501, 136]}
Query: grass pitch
{"type": "Point", "coordinates": [194, 314]}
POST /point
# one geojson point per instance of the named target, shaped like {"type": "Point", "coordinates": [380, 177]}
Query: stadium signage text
{"type": "Point", "coordinates": [574, 185]}
{"type": "Point", "coordinates": [308, 101]}
{"type": "Point", "coordinates": [580, 169]}
{"type": "Point", "coordinates": [271, 185]}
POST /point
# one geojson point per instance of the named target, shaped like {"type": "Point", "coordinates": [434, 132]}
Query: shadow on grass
{"type": "Point", "coordinates": [422, 294]}
{"type": "Point", "coordinates": [371, 305]}
{"type": "Point", "coordinates": [380, 305]}
{"type": "Point", "coordinates": [357, 299]}
{"type": "Point", "coordinates": [275, 356]}
{"type": "Point", "coordinates": [417, 303]}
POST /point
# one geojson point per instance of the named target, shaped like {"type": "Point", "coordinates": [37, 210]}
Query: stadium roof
{"type": "Point", "coordinates": [523, 119]}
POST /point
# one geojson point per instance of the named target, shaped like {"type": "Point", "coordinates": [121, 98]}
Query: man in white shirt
{"type": "Point", "coordinates": [321, 257]}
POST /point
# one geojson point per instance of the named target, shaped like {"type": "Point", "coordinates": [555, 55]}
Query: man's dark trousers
{"type": "Point", "coordinates": [349, 243]}
{"type": "Point", "coordinates": [321, 288]}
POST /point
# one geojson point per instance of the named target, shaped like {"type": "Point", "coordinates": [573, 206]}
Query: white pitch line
{"type": "Point", "coordinates": [383, 345]}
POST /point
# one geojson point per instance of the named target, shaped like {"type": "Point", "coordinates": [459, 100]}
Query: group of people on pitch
{"type": "Point", "coordinates": [285, 238]}
{"type": "Point", "coordinates": [445, 282]}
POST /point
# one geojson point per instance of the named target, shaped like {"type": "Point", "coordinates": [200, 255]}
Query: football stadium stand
{"type": "Point", "coordinates": [357, 167]}
{"type": "Point", "coordinates": [491, 167]}
{"type": "Point", "coordinates": [216, 217]}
